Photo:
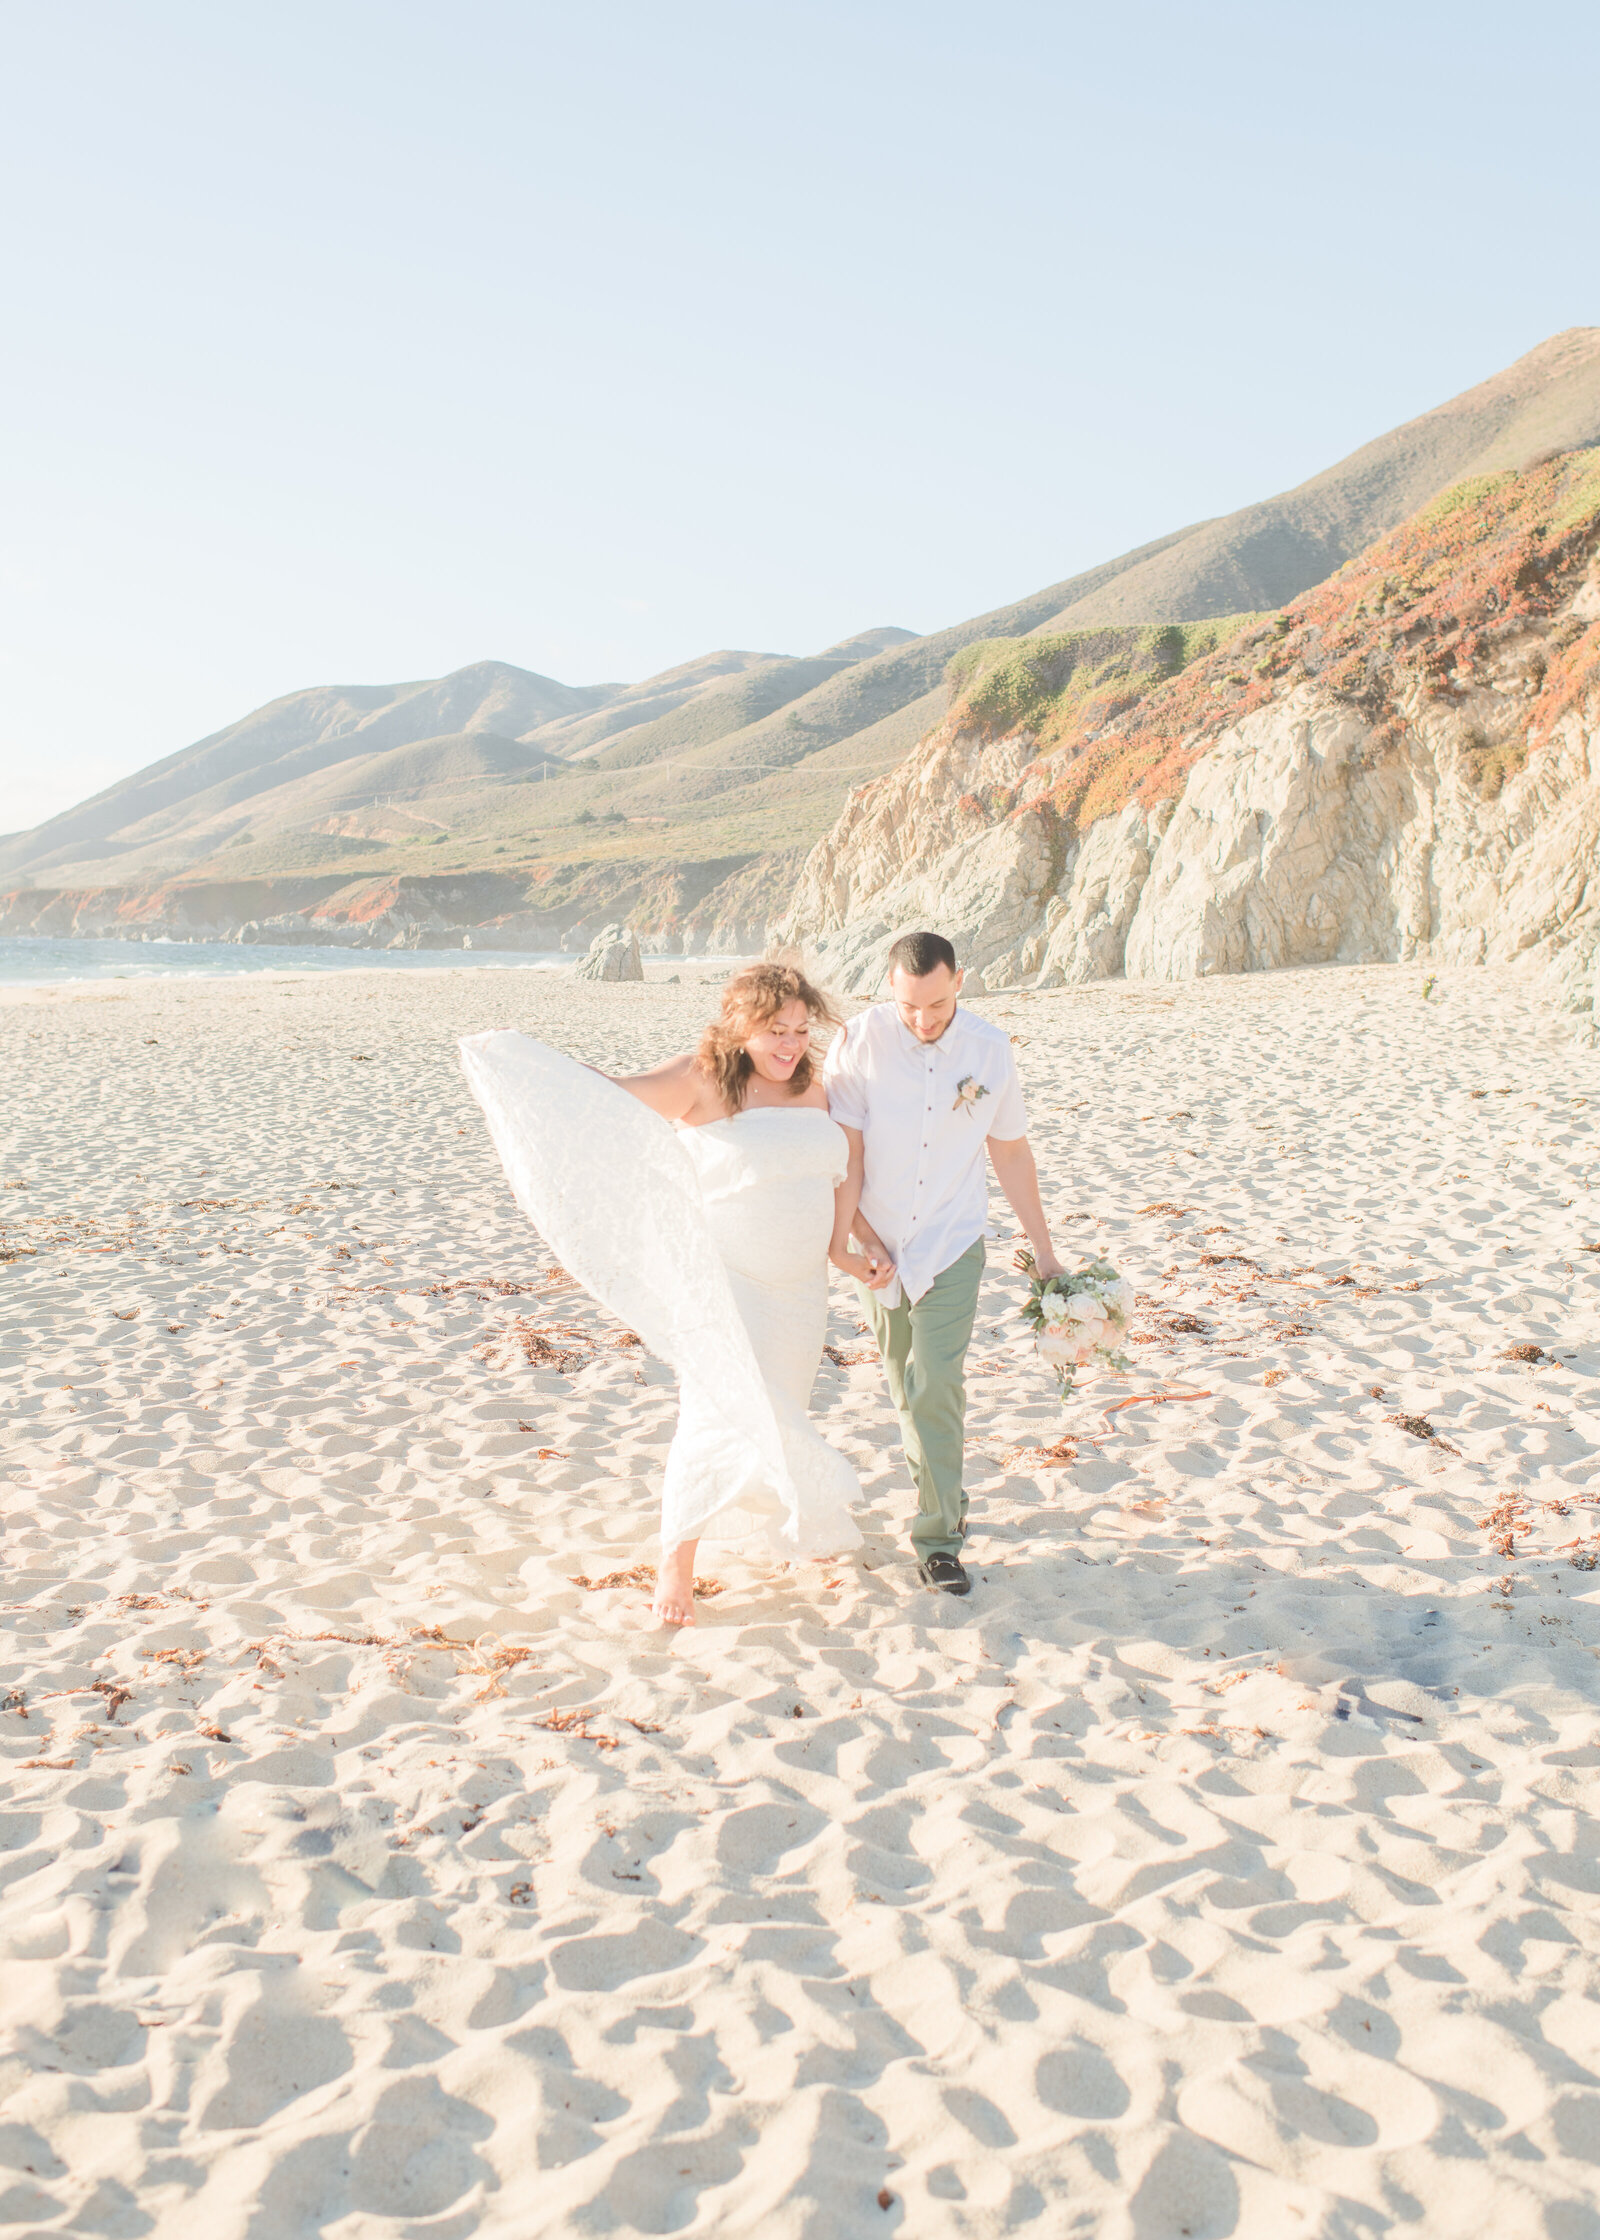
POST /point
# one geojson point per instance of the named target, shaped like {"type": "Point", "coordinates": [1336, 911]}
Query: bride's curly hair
{"type": "Point", "coordinates": [752, 999]}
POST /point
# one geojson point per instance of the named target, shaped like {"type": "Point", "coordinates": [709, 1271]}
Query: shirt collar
{"type": "Point", "coordinates": [916, 1046]}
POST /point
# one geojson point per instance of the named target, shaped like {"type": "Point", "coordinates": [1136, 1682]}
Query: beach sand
{"type": "Point", "coordinates": [1228, 1863]}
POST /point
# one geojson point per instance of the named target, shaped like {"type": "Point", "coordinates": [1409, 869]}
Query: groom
{"type": "Point", "coordinates": [924, 1090]}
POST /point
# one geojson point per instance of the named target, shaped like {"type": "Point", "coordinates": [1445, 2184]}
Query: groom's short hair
{"type": "Point", "coordinates": [918, 954]}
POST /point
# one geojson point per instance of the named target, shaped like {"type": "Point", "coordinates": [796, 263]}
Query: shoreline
{"type": "Point", "coordinates": [1446, 982]}
{"type": "Point", "coordinates": [361, 961]}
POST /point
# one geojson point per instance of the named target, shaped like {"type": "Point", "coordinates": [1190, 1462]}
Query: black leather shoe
{"type": "Point", "coordinates": [948, 1573]}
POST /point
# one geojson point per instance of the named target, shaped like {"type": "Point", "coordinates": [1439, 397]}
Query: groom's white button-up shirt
{"type": "Point", "coordinates": [926, 1111]}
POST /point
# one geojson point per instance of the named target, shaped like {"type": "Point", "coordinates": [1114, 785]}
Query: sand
{"type": "Point", "coordinates": [1226, 1864]}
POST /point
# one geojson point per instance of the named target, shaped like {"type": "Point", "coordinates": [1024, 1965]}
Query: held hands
{"type": "Point", "coordinates": [875, 1270]}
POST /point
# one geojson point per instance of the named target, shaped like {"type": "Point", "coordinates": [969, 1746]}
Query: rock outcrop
{"type": "Point", "coordinates": [1405, 763]}
{"type": "Point", "coordinates": [613, 955]}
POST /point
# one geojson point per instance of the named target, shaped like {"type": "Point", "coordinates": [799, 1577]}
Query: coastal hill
{"type": "Point", "coordinates": [501, 807]}
{"type": "Point", "coordinates": [1402, 762]}
{"type": "Point", "coordinates": [1266, 555]}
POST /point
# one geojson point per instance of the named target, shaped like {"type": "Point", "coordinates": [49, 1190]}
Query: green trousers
{"type": "Point", "coordinates": [924, 1348]}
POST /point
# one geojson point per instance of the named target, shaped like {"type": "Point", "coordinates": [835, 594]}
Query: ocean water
{"type": "Point", "coordinates": [46, 960]}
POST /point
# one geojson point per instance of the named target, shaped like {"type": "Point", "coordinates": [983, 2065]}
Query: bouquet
{"type": "Point", "coordinates": [1078, 1317]}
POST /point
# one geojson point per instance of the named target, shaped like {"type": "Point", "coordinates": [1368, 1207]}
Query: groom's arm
{"type": "Point", "coordinates": [849, 1221]}
{"type": "Point", "coordinates": [847, 1105]}
{"type": "Point", "coordinates": [1019, 1179]}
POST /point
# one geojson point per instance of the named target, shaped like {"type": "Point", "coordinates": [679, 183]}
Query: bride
{"type": "Point", "coordinates": [706, 1220]}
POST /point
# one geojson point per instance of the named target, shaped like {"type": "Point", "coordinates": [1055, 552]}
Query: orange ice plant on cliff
{"type": "Point", "coordinates": [1415, 616]}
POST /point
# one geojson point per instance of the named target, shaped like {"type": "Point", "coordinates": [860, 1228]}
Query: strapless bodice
{"type": "Point", "coordinates": [764, 1144]}
{"type": "Point", "coordinates": [767, 1179]}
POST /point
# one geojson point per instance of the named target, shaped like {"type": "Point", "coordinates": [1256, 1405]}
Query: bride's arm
{"type": "Point", "coordinates": [874, 1268]}
{"type": "Point", "coordinates": [673, 1089]}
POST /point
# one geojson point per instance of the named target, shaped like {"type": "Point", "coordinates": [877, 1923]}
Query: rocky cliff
{"type": "Point", "coordinates": [1405, 762]}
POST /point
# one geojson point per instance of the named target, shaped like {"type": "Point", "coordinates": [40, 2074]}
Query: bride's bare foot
{"type": "Point", "coordinates": [674, 1597]}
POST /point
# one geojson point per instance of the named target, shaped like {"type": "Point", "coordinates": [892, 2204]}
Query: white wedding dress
{"type": "Point", "coordinates": [712, 1243]}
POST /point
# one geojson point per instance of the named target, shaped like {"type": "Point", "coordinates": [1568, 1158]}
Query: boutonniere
{"type": "Point", "coordinates": [968, 1092]}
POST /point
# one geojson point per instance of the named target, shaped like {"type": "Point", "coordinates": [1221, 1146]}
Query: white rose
{"type": "Point", "coordinates": [1055, 1346]}
{"type": "Point", "coordinates": [1083, 1306]}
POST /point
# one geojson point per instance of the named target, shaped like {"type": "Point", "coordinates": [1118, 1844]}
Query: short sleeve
{"type": "Point", "coordinates": [842, 1078]}
{"type": "Point", "coordinates": [1008, 1117]}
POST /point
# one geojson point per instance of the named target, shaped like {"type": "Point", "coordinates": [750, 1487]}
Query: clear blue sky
{"type": "Point", "coordinates": [355, 340]}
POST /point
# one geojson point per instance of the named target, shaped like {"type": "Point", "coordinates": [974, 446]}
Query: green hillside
{"type": "Point", "coordinates": [741, 755]}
